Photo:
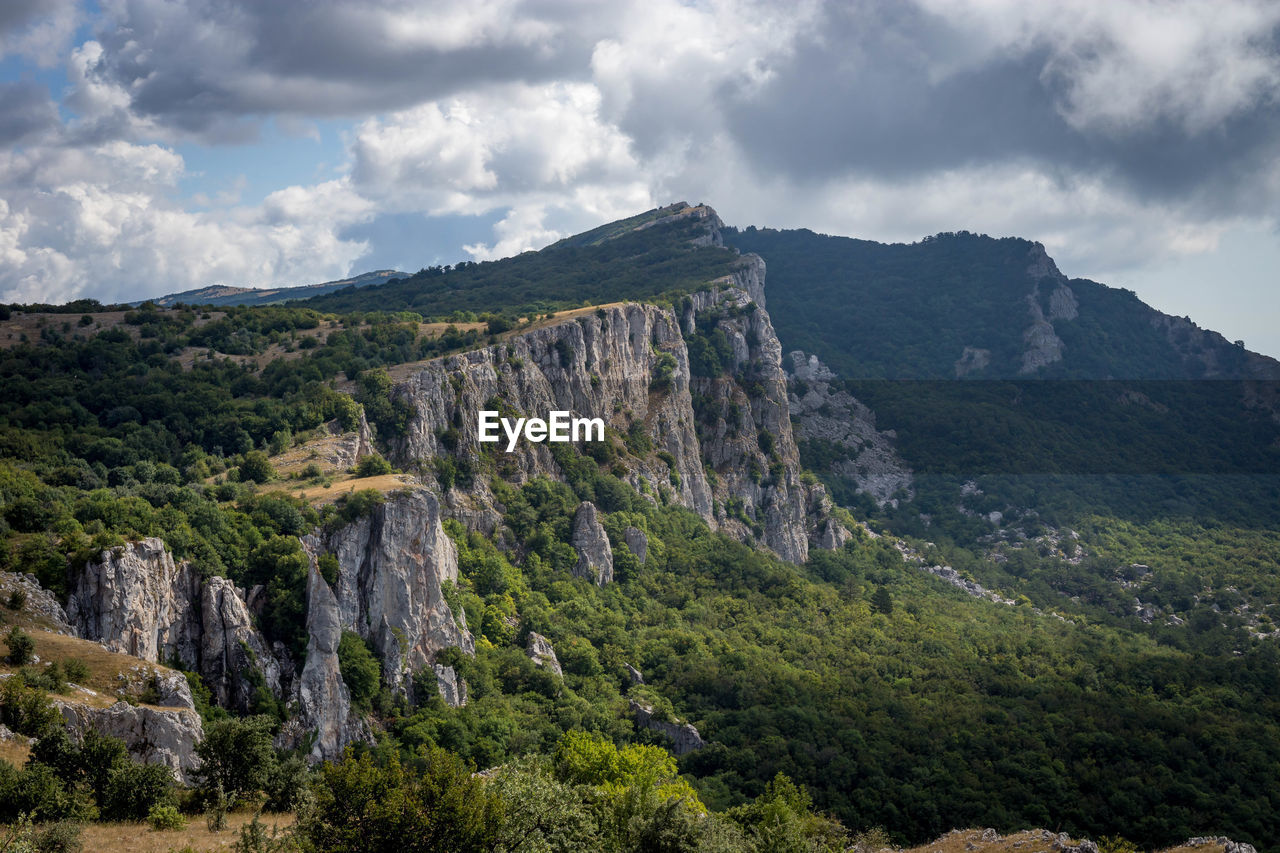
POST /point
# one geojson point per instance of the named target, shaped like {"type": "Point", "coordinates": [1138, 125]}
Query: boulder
{"type": "Point", "coordinates": [684, 737]}
{"type": "Point", "coordinates": [637, 542]}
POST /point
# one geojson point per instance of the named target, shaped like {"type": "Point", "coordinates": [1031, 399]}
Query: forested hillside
{"type": "Point", "coordinates": [864, 688]}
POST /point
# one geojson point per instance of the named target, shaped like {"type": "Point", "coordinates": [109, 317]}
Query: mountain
{"type": "Point", "coordinates": [964, 305]}
{"type": "Point", "coordinates": [672, 636]}
{"type": "Point", "coordinates": [222, 294]}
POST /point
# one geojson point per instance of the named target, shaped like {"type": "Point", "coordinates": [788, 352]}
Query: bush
{"type": "Point", "coordinates": [360, 669]}
{"type": "Point", "coordinates": [236, 758]}
{"type": "Point", "coordinates": [133, 790]}
{"type": "Point", "coordinates": [21, 647]}
{"type": "Point", "coordinates": [17, 599]}
{"type": "Point", "coordinates": [165, 817]}
{"type": "Point", "coordinates": [373, 466]}
{"type": "Point", "coordinates": [75, 670]}
{"type": "Point", "coordinates": [27, 711]}
{"type": "Point", "coordinates": [256, 467]}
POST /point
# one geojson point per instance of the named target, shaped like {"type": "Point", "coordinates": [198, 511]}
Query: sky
{"type": "Point", "coordinates": [153, 146]}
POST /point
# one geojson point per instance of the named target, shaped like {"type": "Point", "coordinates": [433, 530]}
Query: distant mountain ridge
{"type": "Point", "coordinates": [223, 294]}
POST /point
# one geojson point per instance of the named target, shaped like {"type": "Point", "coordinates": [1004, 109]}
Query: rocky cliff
{"type": "Point", "coordinates": [137, 600]}
{"type": "Point", "coordinates": [391, 567]}
{"type": "Point", "coordinates": [629, 366]}
{"type": "Point", "coordinates": [829, 414]}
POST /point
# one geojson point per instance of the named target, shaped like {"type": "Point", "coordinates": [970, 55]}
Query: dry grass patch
{"type": "Point", "coordinates": [1027, 841]}
{"type": "Point", "coordinates": [320, 495]}
{"type": "Point", "coordinates": [141, 838]}
{"type": "Point", "coordinates": [99, 689]}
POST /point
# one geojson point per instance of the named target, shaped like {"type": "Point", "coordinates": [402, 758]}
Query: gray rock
{"type": "Point", "coordinates": [231, 647]}
{"type": "Point", "coordinates": [542, 653]}
{"type": "Point", "coordinates": [634, 674]}
{"type": "Point", "coordinates": [39, 600]}
{"type": "Point", "coordinates": [173, 690]}
{"type": "Point", "coordinates": [875, 467]}
{"type": "Point", "coordinates": [167, 738]}
{"type": "Point", "coordinates": [602, 365]}
{"type": "Point", "coordinates": [452, 688]}
{"type": "Point", "coordinates": [637, 543]}
{"type": "Point", "coordinates": [684, 737]}
{"type": "Point", "coordinates": [323, 699]}
{"type": "Point", "coordinates": [135, 600]}
{"type": "Point", "coordinates": [392, 565]}
{"type": "Point", "coordinates": [595, 555]}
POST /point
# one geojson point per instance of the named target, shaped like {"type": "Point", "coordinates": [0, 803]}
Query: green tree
{"type": "Point", "coordinates": [21, 647]}
{"type": "Point", "coordinates": [256, 467]}
{"type": "Point", "coordinates": [236, 757]}
{"type": "Point", "coordinates": [361, 671]}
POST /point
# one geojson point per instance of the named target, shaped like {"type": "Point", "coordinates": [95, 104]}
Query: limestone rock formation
{"type": "Point", "coordinates": [452, 688]}
{"type": "Point", "coordinates": [637, 543]}
{"type": "Point", "coordinates": [684, 737]}
{"type": "Point", "coordinates": [835, 416]}
{"type": "Point", "coordinates": [634, 674]}
{"type": "Point", "coordinates": [600, 365]}
{"type": "Point", "coordinates": [323, 699]}
{"type": "Point", "coordinates": [135, 600]}
{"type": "Point", "coordinates": [153, 736]}
{"type": "Point", "coordinates": [391, 567]}
{"type": "Point", "coordinates": [39, 601]}
{"type": "Point", "coordinates": [231, 646]}
{"type": "Point", "coordinates": [542, 653]}
{"type": "Point", "coordinates": [595, 555]}
{"type": "Point", "coordinates": [628, 365]}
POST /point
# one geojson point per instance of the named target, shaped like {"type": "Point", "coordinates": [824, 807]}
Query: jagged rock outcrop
{"type": "Point", "coordinates": [871, 462]}
{"type": "Point", "coordinates": [599, 365]}
{"type": "Point", "coordinates": [39, 601]}
{"type": "Point", "coordinates": [350, 447]}
{"type": "Point", "coordinates": [634, 674]}
{"type": "Point", "coordinates": [637, 543]}
{"type": "Point", "coordinates": [231, 647]}
{"type": "Point", "coordinates": [684, 737]}
{"type": "Point", "coordinates": [745, 420]}
{"type": "Point", "coordinates": [1041, 343]}
{"type": "Point", "coordinates": [165, 737]}
{"type": "Point", "coordinates": [595, 555]}
{"type": "Point", "coordinates": [136, 600]}
{"type": "Point", "coordinates": [542, 653]}
{"type": "Point", "coordinates": [452, 688]}
{"type": "Point", "coordinates": [629, 366]}
{"type": "Point", "coordinates": [324, 703]}
{"type": "Point", "coordinates": [391, 567]}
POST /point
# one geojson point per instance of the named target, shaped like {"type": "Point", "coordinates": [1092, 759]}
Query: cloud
{"type": "Point", "coordinates": [1114, 132]}
{"type": "Point", "coordinates": [101, 221]}
{"type": "Point", "coordinates": [37, 29]}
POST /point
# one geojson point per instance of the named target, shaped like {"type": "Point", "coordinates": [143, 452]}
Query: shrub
{"type": "Point", "coordinates": [165, 817]}
{"type": "Point", "coordinates": [17, 599]}
{"type": "Point", "coordinates": [236, 758]}
{"type": "Point", "coordinates": [256, 467]}
{"type": "Point", "coordinates": [360, 669]}
{"type": "Point", "coordinates": [373, 466]}
{"type": "Point", "coordinates": [21, 647]}
{"type": "Point", "coordinates": [75, 670]}
{"type": "Point", "coordinates": [133, 790]}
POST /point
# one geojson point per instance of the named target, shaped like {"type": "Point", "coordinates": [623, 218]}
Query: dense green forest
{"type": "Point", "coordinates": [907, 311]}
{"type": "Point", "coordinates": [851, 693]}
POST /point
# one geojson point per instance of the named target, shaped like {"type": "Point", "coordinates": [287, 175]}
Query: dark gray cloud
{"type": "Point", "coordinates": [15, 14]}
{"type": "Point", "coordinates": [864, 96]}
{"type": "Point", "coordinates": [198, 65]}
{"type": "Point", "coordinates": [25, 110]}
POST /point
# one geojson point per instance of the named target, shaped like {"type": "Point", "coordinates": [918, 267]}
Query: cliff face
{"type": "Point", "coordinates": [629, 366]}
{"type": "Point", "coordinates": [138, 601]}
{"type": "Point", "coordinates": [391, 565]}
{"type": "Point", "coordinates": [600, 365]}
